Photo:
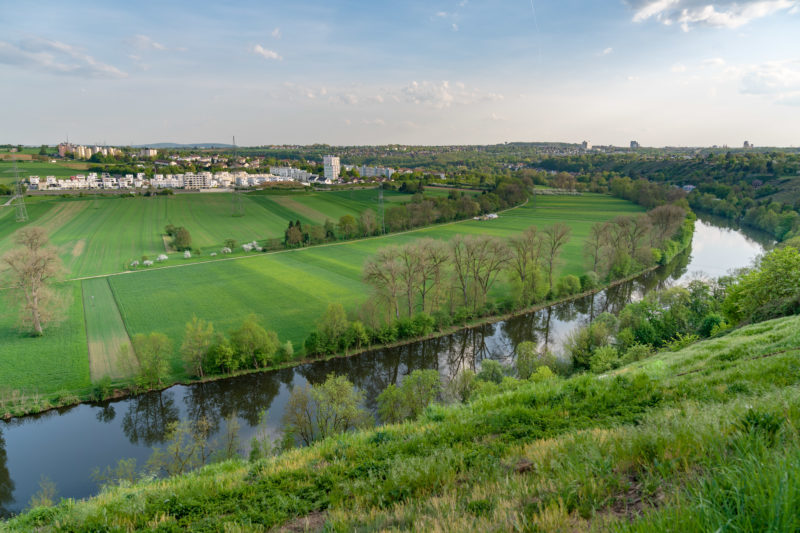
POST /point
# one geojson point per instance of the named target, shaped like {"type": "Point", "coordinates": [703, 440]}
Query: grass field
{"type": "Point", "coordinates": [54, 362]}
{"type": "Point", "coordinates": [41, 169]}
{"type": "Point", "coordinates": [98, 235]}
{"type": "Point", "coordinates": [290, 290]}
{"type": "Point", "coordinates": [105, 331]}
{"type": "Point", "coordinates": [702, 439]}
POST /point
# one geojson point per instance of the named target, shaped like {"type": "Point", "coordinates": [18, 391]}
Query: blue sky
{"type": "Point", "coordinates": [664, 72]}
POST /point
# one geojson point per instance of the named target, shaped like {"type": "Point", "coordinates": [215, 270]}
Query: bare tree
{"type": "Point", "coordinates": [434, 257]}
{"type": "Point", "coordinates": [555, 237]}
{"type": "Point", "coordinates": [383, 273]}
{"type": "Point", "coordinates": [666, 219]}
{"type": "Point", "coordinates": [33, 267]}
{"type": "Point", "coordinates": [368, 223]}
{"type": "Point", "coordinates": [526, 252]}
{"type": "Point", "coordinates": [593, 247]}
{"type": "Point", "coordinates": [409, 260]}
{"type": "Point", "coordinates": [477, 261]}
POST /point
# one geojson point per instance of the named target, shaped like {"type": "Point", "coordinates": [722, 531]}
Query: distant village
{"type": "Point", "coordinates": [195, 180]}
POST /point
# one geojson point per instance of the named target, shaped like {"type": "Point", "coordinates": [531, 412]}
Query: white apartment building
{"type": "Point", "coordinates": [148, 152]}
{"type": "Point", "coordinates": [375, 172]}
{"type": "Point", "coordinates": [291, 173]}
{"type": "Point", "coordinates": [332, 167]}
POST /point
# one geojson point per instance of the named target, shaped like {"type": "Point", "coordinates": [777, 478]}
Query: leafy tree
{"type": "Point", "coordinates": [223, 355]}
{"type": "Point", "coordinates": [348, 226]}
{"type": "Point", "coordinates": [332, 326]}
{"type": "Point", "coordinates": [253, 343]}
{"type": "Point", "coordinates": [325, 409]}
{"type": "Point", "coordinates": [152, 353]}
{"type": "Point", "coordinates": [230, 243]}
{"type": "Point", "coordinates": [182, 239]}
{"type": "Point", "coordinates": [527, 359]}
{"type": "Point", "coordinates": [197, 341]}
{"type": "Point", "coordinates": [525, 263]}
{"type": "Point", "coordinates": [32, 269]}
{"type": "Point", "coordinates": [462, 385]}
{"type": "Point", "coordinates": [417, 390]}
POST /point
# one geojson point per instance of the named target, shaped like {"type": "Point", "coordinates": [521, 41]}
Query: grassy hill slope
{"type": "Point", "coordinates": [697, 440]}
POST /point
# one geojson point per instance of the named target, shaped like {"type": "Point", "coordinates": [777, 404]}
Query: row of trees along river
{"type": "Point", "coordinates": [65, 446]}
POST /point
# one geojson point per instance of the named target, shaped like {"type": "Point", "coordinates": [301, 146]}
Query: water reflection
{"type": "Point", "coordinates": [66, 445]}
{"type": "Point", "coordinates": [6, 483]}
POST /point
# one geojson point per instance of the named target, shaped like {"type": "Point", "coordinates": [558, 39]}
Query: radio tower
{"type": "Point", "coordinates": [19, 198]}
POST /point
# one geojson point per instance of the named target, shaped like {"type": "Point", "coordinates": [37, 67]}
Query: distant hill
{"type": "Point", "coordinates": [188, 145]}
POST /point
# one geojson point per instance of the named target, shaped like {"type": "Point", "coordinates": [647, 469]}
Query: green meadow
{"type": "Point", "coordinates": [287, 290]}
{"type": "Point", "coordinates": [102, 235]}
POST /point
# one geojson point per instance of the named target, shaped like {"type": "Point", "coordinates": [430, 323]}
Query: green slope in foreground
{"type": "Point", "coordinates": [703, 439]}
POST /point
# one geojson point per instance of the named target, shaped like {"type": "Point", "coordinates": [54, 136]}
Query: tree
{"type": "Point", "coordinates": [332, 326]}
{"type": "Point", "coordinates": [252, 342]}
{"type": "Point", "coordinates": [382, 273]}
{"type": "Point", "coordinates": [152, 353]}
{"type": "Point", "coordinates": [182, 239]}
{"type": "Point", "coordinates": [294, 236]}
{"type": "Point", "coordinates": [593, 246]}
{"type": "Point", "coordinates": [325, 409]}
{"type": "Point", "coordinates": [524, 264]}
{"type": "Point", "coordinates": [197, 341]}
{"type": "Point", "coordinates": [477, 262]}
{"type": "Point", "coordinates": [555, 237]}
{"type": "Point", "coordinates": [417, 390]}
{"type": "Point", "coordinates": [666, 219]}
{"type": "Point", "coordinates": [32, 269]}
{"type": "Point", "coordinates": [527, 358]}
{"type": "Point", "coordinates": [368, 223]}
{"type": "Point", "coordinates": [43, 150]}
{"type": "Point", "coordinates": [230, 243]}
{"type": "Point", "coordinates": [433, 258]}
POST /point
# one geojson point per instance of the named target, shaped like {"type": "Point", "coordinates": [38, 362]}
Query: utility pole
{"type": "Point", "coordinates": [380, 208]}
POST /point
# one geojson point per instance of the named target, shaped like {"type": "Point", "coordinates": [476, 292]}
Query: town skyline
{"type": "Point", "coordinates": [679, 73]}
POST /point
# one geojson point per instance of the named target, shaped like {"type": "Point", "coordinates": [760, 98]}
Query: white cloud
{"type": "Point", "coordinates": [265, 53]}
{"type": "Point", "coordinates": [276, 33]}
{"type": "Point", "coordinates": [678, 68]}
{"type": "Point", "coordinates": [373, 122]}
{"type": "Point", "coordinates": [143, 42]}
{"type": "Point", "coordinates": [778, 80]}
{"type": "Point", "coordinates": [606, 51]}
{"type": "Point", "coordinates": [714, 62]}
{"type": "Point", "coordinates": [719, 13]}
{"type": "Point", "coordinates": [442, 94]}
{"type": "Point", "coordinates": [56, 58]}
{"type": "Point", "coordinates": [441, 14]}
{"type": "Point", "coordinates": [454, 26]}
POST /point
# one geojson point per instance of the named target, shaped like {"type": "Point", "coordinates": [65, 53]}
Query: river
{"type": "Point", "coordinates": [66, 445]}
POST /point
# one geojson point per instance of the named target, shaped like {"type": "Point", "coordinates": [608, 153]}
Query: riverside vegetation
{"type": "Point", "coordinates": [695, 436]}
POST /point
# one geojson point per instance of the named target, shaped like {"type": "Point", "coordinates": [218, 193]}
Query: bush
{"type": "Point", "coordinates": [568, 285]}
{"type": "Point", "coordinates": [604, 359]}
{"type": "Point", "coordinates": [442, 320]}
{"type": "Point", "coordinates": [461, 386]}
{"type": "Point", "coordinates": [636, 352]}
{"type": "Point", "coordinates": [590, 281]}
{"type": "Point", "coordinates": [423, 324]}
{"type": "Point", "coordinates": [491, 371]}
{"type": "Point", "coordinates": [709, 323]}
{"type": "Point", "coordinates": [187, 254]}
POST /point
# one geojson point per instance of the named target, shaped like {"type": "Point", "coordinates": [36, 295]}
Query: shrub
{"type": "Point", "coordinates": [461, 386]}
{"type": "Point", "coordinates": [134, 264]}
{"type": "Point", "coordinates": [442, 320]}
{"type": "Point", "coordinates": [568, 285]}
{"type": "Point", "coordinates": [491, 371]}
{"type": "Point", "coordinates": [604, 359]}
{"type": "Point", "coordinates": [590, 281]}
{"type": "Point", "coordinates": [636, 352]}
{"type": "Point", "coordinates": [423, 324]}
{"type": "Point", "coordinates": [187, 254]}
{"type": "Point", "coordinates": [161, 258]}
{"type": "Point", "coordinates": [710, 321]}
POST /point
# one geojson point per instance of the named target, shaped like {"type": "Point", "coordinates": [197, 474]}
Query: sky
{"type": "Point", "coordinates": [662, 72]}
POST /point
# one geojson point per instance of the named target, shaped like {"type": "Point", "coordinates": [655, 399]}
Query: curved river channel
{"type": "Point", "coordinates": [66, 445]}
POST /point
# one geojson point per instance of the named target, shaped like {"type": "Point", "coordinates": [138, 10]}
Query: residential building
{"type": "Point", "coordinates": [635, 145]}
{"type": "Point", "coordinates": [332, 167]}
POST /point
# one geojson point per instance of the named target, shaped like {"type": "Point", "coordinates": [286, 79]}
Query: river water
{"type": "Point", "coordinates": [65, 445]}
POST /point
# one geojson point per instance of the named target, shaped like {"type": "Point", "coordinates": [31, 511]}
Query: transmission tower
{"type": "Point", "coordinates": [238, 205]}
{"type": "Point", "coordinates": [19, 198]}
{"type": "Point", "coordinates": [380, 208]}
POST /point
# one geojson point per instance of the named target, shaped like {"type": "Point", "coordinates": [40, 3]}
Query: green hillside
{"type": "Point", "coordinates": [703, 439]}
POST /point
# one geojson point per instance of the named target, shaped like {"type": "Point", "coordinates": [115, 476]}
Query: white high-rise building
{"type": "Point", "coordinates": [332, 167]}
